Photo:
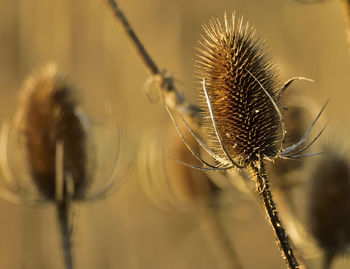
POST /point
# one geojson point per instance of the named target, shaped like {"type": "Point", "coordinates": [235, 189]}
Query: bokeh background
{"type": "Point", "coordinates": [125, 230]}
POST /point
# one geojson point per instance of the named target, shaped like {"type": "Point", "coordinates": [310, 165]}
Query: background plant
{"type": "Point", "coordinates": [83, 38]}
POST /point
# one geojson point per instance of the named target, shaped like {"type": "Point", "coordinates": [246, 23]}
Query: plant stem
{"type": "Point", "coordinates": [264, 192]}
{"type": "Point", "coordinates": [218, 240]}
{"type": "Point", "coordinates": [64, 220]}
{"type": "Point", "coordinates": [172, 97]}
{"type": "Point", "coordinates": [143, 54]}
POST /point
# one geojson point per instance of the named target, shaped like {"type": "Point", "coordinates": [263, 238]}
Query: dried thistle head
{"type": "Point", "coordinates": [53, 144]}
{"type": "Point", "coordinates": [169, 184]}
{"type": "Point", "coordinates": [47, 117]}
{"type": "Point", "coordinates": [329, 210]}
{"type": "Point", "coordinates": [243, 88]}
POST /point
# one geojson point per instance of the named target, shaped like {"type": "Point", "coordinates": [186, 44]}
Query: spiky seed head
{"type": "Point", "coordinates": [229, 57]}
{"type": "Point", "coordinates": [329, 210]}
{"type": "Point", "coordinates": [47, 115]}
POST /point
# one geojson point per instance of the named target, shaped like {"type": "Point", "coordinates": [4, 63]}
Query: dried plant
{"type": "Point", "coordinates": [54, 142]}
{"type": "Point", "coordinates": [170, 95]}
{"type": "Point", "coordinates": [241, 96]}
{"type": "Point", "coordinates": [329, 206]}
{"type": "Point", "coordinates": [243, 114]}
{"type": "Point", "coordinates": [172, 186]}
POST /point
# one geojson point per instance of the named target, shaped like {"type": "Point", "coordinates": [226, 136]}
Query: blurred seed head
{"type": "Point", "coordinates": [329, 210]}
{"type": "Point", "coordinates": [52, 147]}
{"type": "Point", "coordinates": [47, 115]}
{"type": "Point", "coordinates": [235, 64]}
{"type": "Point", "coordinates": [169, 184]}
{"type": "Point", "coordinates": [191, 185]}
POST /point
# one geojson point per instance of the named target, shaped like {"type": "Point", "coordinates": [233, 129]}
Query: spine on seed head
{"type": "Point", "coordinates": [235, 65]}
{"type": "Point", "coordinates": [47, 116]}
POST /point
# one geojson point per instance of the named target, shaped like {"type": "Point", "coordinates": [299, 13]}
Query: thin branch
{"type": "Point", "coordinates": [173, 98]}
{"type": "Point", "coordinates": [64, 219]}
{"type": "Point", "coordinates": [63, 195]}
{"type": "Point", "coordinates": [135, 41]}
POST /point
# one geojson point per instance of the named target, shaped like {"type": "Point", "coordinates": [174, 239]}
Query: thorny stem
{"type": "Point", "coordinates": [173, 98]}
{"type": "Point", "coordinates": [264, 192]}
{"type": "Point", "coordinates": [293, 223]}
{"type": "Point", "coordinates": [63, 215]}
{"type": "Point", "coordinates": [220, 244]}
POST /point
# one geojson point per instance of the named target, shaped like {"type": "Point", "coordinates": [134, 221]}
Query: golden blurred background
{"type": "Point", "coordinates": [125, 230]}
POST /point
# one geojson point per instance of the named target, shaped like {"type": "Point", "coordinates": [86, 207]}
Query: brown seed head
{"type": "Point", "coordinates": [47, 116]}
{"type": "Point", "coordinates": [233, 62]}
{"type": "Point", "coordinates": [192, 186]}
{"type": "Point", "coordinates": [329, 210]}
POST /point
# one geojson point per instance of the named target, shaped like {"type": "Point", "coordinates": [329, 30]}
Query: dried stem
{"type": "Point", "coordinates": [173, 98]}
{"type": "Point", "coordinates": [63, 215]}
{"type": "Point", "coordinates": [219, 242]}
{"type": "Point", "coordinates": [264, 192]}
{"type": "Point", "coordinates": [143, 54]}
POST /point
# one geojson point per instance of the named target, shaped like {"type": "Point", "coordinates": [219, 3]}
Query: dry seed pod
{"type": "Point", "coordinates": [241, 99]}
{"type": "Point", "coordinates": [55, 148]}
{"type": "Point", "coordinates": [329, 210]}
{"type": "Point", "coordinates": [51, 143]}
{"type": "Point", "coordinates": [48, 117]}
{"type": "Point", "coordinates": [235, 66]}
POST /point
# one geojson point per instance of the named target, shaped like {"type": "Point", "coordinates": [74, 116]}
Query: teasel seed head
{"type": "Point", "coordinates": [236, 67]}
{"type": "Point", "coordinates": [329, 210]}
{"type": "Point", "coordinates": [48, 118]}
{"type": "Point", "coordinates": [169, 184]}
